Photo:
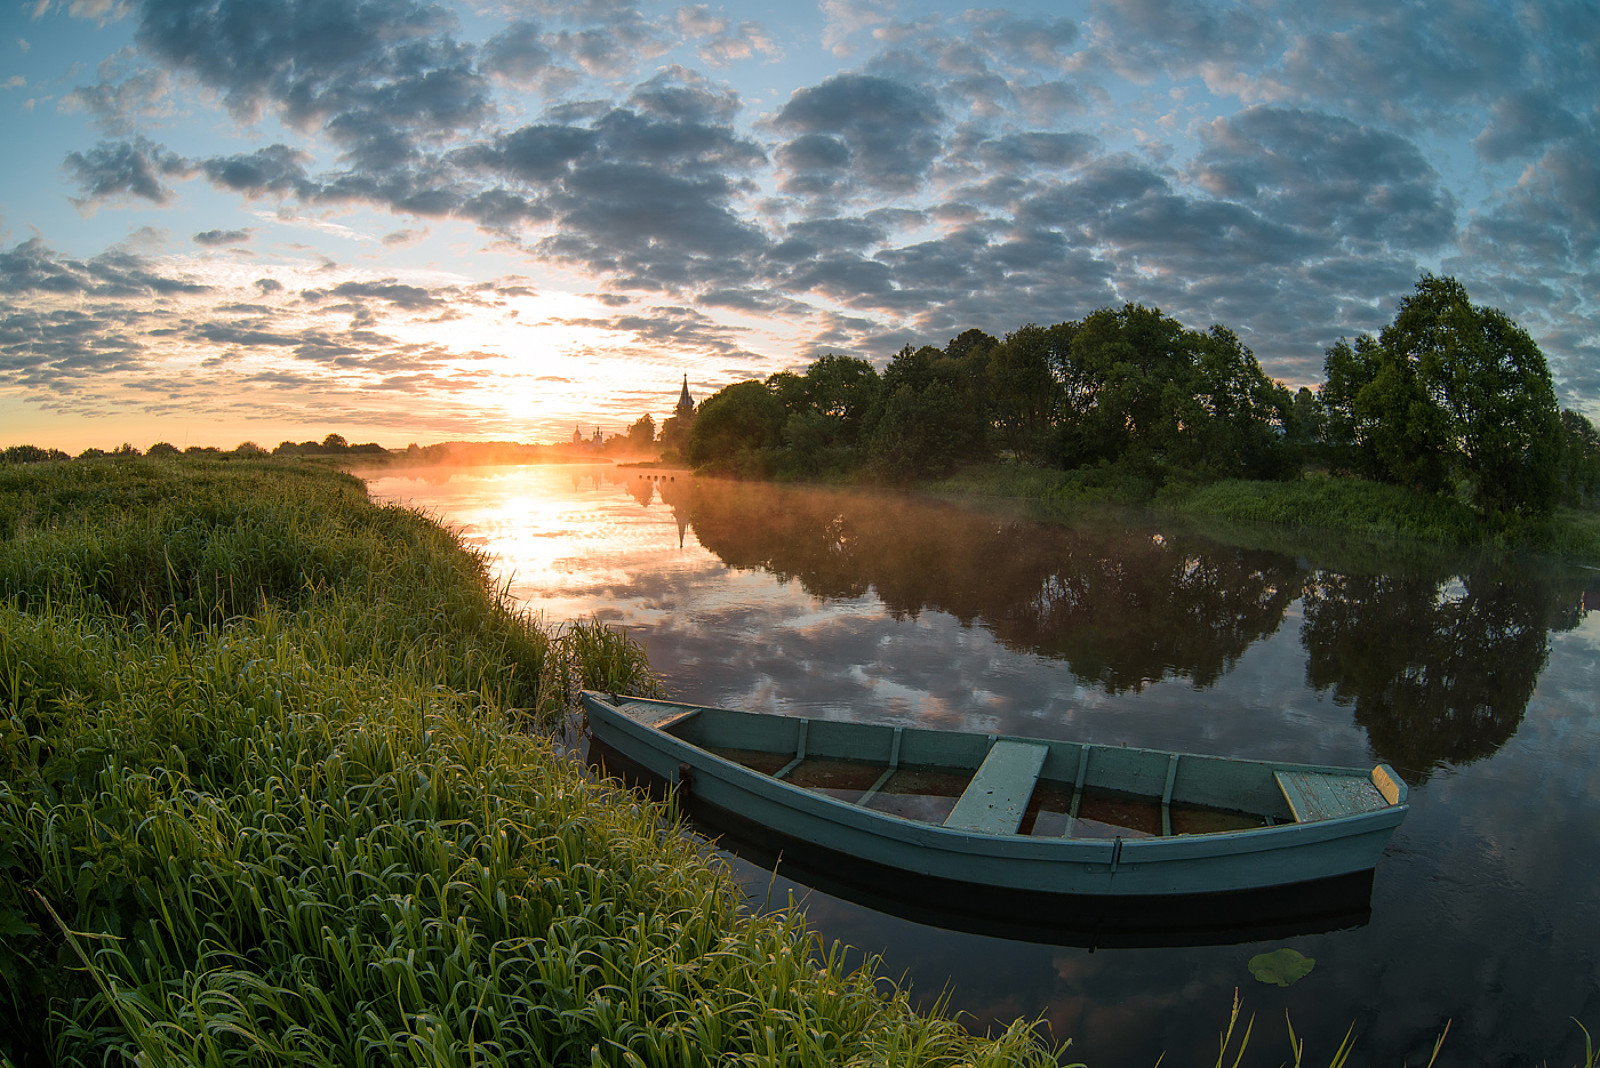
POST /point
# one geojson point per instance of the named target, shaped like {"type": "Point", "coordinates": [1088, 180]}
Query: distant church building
{"type": "Point", "coordinates": [685, 406]}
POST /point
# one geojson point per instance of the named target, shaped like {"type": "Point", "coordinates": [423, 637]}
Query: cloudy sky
{"type": "Point", "coordinates": [407, 220]}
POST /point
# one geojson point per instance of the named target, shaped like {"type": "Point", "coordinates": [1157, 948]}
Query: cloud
{"type": "Point", "coordinates": [127, 95]}
{"type": "Point", "coordinates": [518, 54]}
{"type": "Point", "coordinates": [133, 168]}
{"type": "Point", "coordinates": [1424, 65]}
{"type": "Point", "coordinates": [245, 335]}
{"type": "Point", "coordinates": [845, 19]}
{"type": "Point", "coordinates": [214, 238]}
{"type": "Point", "coordinates": [1142, 39]}
{"type": "Point", "coordinates": [859, 129]}
{"type": "Point", "coordinates": [404, 238]}
{"type": "Point", "coordinates": [609, 38]}
{"type": "Point", "coordinates": [32, 268]}
{"type": "Point", "coordinates": [275, 169]}
{"type": "Point", "coordinates": [339, 64]}
{"type": "Point", "coordinates": [1322, 173]}
{"type": "Point", "coordinates": [1031, 149]}
{"type": "Point", "coordinates": [1523, 123]}
{"type": "Point", "coordinates": [722, 44]}
{"type": "Point", "coordinates": [974, 168]}
{"type": "Point", "coordinates": [62, 343]}
{"type": "Point", "coordinates": [401, 295]}
{"type": "Point", "coordinates": [1550, 220]}
{"type": "Point", "coordinates": [1036, 41]}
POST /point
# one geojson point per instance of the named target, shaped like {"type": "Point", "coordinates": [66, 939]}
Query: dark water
{"type": "Point", "coordinates": [1477, 679]}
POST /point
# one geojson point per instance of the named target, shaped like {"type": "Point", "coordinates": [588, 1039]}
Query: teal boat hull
{"type": "Point", "coordinates": [1297, 843]}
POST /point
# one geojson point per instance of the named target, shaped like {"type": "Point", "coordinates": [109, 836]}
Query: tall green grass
{"type": "Point", "coordinates": [266, 797]}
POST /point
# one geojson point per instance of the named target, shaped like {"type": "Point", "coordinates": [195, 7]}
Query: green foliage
{"type": "Point", "coordinates": [1451, 399]}
{"type": "Point", "coordinates": [919, 434]}
{"type": "Point", "coordinates": [30, 454]}
{"type": "Point", "coordinates": [604, 659]}
{"type": "Point", "coordinates": [1244, 418]}
{"type": "Point", "coordinates": [642, 433]}
{"type": "Point", "coordinates": [1580, 459]}
{"type": "Point", "coordinates": [296, 825]}
{"type": "Point", "coordinates": [1448, 391]}
{"type": "Point", "coordinates": [828, 410]}
{"type": "Point", "coordinates": [1023, 388]}
{"type": "Point", "coordinates": [935, 413]}
{"type": "Point", "coordinates": [734, 427]}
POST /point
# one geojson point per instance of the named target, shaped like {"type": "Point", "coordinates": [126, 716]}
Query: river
{"type": "Point", "coordinates": [1478, 679]}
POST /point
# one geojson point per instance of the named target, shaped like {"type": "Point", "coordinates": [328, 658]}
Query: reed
{"type": "Point", "coordinates": [265, 796]}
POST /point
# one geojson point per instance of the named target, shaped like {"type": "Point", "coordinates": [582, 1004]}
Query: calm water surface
{"type": "Point", "coordinates": [1477, 680]}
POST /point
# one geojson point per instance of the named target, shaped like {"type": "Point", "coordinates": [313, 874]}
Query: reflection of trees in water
{"type": "Point", "coordinates": [1123, 609]}
{"type": "Point", "coordinates": [1439, 661]}
{"type": "Point", "coordinates": [1440, 668]}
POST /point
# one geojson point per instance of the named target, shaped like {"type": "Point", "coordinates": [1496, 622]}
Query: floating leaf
{"type": "Point", "coordinates": [1281, 966]}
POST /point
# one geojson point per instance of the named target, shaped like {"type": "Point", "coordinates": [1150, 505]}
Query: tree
{"type": "Point", "coordinates": [31, 454]}
{"type": "Point", "coordinates": [1305, 426]}
{"type": "Point", "coordinates": [828, 410]}
{"type": "Point", "coordinates": [734, 425]}
{"type": "Point", "coordinates": [335, 442]}
{"type": "Point", "coordinates": [1023, 389]}
{"type": "Point", "coordinates": [934, 413]}
{"type": "Point", "coordinates": [1124, 377]}
{"type": "Point", "coordinates": [1449, 392]}
{"type": "Point", "coordinates": [162, 448]}
{"type": "Point", "coordinates": [1240, 426]}
{"type": "Point", "coordinates": [642, 434]}
{"type": "Point", "coordinates": [1580, 459]}
{"type": "Point", "coordinates": [791, 391]}
{"type": "Point", "coordinates": [847, 391]}
{"type": "Point", "coordinates": [918, 435]}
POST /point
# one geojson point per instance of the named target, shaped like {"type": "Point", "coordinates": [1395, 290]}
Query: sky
{"type": "Point", "coordinates": [414, 221]}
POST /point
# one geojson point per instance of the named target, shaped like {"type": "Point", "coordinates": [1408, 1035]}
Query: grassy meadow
{"type": "Point", "coordinates": [277, 785]}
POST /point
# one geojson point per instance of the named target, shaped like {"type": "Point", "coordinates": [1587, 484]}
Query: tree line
{"type": "Point", "coordinates": [1449, 398]}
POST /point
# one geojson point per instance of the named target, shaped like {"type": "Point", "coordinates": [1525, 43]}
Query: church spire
{"type": "Point", "coordinates": [685, 402]}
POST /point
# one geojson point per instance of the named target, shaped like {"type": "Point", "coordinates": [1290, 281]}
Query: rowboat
{"type": "Point", "coordinates": [1002, 813]}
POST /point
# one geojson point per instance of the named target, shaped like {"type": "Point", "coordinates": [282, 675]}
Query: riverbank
{"type": "Point", "coordinates": [270, 795]}
{"type": "Point", "coordinates": [1315, 503]}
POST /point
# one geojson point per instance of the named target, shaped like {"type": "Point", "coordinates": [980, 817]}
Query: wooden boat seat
{"type": "Point", "coordinates": [997, 797]}
{"type": "Point", "coordinates": [1312, 796]}
{"type": "Point", "coordinates": [659, 716]}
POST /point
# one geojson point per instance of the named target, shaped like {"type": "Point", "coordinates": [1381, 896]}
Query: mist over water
{"type": "Point", "coordinates": [1476, 679]}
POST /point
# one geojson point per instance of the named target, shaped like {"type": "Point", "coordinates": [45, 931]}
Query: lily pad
{"type": "Point", "coordinates": [1281, 966]}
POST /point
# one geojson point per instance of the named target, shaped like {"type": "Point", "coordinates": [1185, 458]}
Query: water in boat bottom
{"type": "Point", "coordinates": [928, 795]}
